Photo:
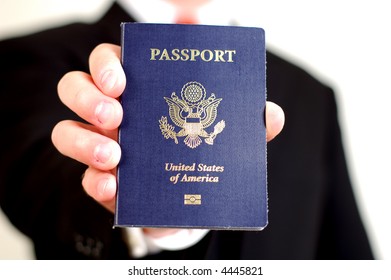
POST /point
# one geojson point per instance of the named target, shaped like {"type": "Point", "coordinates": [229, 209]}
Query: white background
{"type": "Point", "coordinates": [346, 44]}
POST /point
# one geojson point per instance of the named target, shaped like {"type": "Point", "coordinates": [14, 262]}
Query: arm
{"type": "Point", "coordinates": [40, 189]}
{"type": "Point", "coordinates": [94, 99]}
{"type": "Point", "coordinates": [342, 234]}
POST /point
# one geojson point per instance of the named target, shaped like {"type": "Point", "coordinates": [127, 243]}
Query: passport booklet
{"type": "Point", "coordinates": [193, 135]}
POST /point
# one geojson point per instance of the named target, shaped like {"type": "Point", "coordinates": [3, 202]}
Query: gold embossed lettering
{"type": "Point", "coordinates": [154, 53]}
{"type": "Point", "coordinates": [219, 56]}
{"type": "Point", "coordinates": [193, 54]}
{"type": "Point", "coordinates": [205, 55]}
{"type": "Point", "coordinates": [210, 55]}
{"type": "Point", "coordinates": [199, 179]}
{"type": "Point", "coordinates": [175, 55]}
{"type": "Point", "coordinates": [165, 55]}
{"type": "Point", "coordinates": [209, 168]}
{"type": "Point", "coordinates": [230, 55]}
{"type": "Point", "coordinates": [185, 55]}
{"type": "Point", "coordinates": [179, 167]}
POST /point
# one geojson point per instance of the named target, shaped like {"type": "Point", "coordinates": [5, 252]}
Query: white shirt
{"type": "Point", "coordinates": [216, 12]}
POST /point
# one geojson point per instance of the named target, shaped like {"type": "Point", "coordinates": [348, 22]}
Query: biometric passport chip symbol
{"type": "Point", "coordinates": [193, 112]}
{"type": "Point", "coordinates": [192, 199]}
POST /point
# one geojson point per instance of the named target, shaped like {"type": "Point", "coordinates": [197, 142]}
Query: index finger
{"type": "Point", "coordinates": [106, 69]}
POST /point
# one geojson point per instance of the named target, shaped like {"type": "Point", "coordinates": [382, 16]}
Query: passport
{"type": "Point", "coordinates": [193, 134]}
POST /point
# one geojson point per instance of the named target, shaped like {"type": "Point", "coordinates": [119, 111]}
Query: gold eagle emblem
{"type": "Point", "coordinates": [193, 112]}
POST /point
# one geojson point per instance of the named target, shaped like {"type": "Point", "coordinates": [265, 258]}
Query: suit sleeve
{"type": "Point", "coordinates": [342, 235]}
{"type": "Point", "coordinates": [40, 189]}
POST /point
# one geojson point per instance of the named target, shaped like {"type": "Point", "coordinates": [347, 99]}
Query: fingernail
{"type": "Point", "coordinates": [108, 80]}
{"type": "Point", "coordinates": [106, 188]}
{"type": "Point", "coordinates": [103, 153]}
{"type": "Point", "coordinates": [104, 111]}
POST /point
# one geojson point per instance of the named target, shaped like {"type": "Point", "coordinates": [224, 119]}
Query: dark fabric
{"type": "Point", "coordinates": [313, 214]}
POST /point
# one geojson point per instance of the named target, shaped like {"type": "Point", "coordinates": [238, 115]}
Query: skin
{"type": "Point", "coordinates": [186, 9]}
{"type": "Point", "coordinates": [94, 97]}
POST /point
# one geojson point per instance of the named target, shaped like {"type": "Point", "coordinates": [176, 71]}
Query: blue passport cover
{"type": "Point", "coordinates": [193, 135]}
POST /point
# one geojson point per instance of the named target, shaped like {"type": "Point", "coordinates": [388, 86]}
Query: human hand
{"type": "Point", "coordinates": [94, 98]}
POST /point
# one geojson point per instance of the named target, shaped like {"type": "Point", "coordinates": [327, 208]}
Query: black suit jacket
{"type": "Point", "coordinates": [313, 214]}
